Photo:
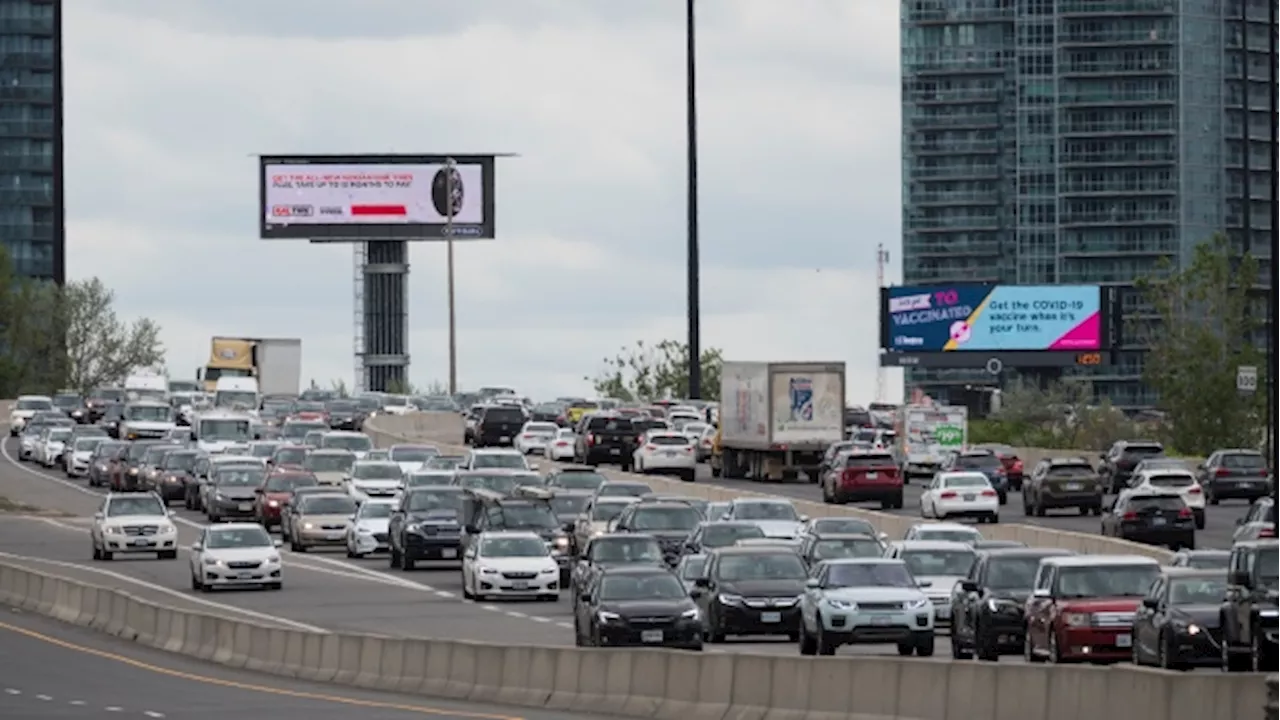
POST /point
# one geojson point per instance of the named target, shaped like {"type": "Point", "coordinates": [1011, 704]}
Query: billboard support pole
{"type": "Point", "coordinates": [453, 324]}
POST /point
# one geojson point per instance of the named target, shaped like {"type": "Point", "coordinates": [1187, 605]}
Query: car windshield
{"type": "Point", "coordinates": [289, 456]}
{"type": "Point", "coordinates": [443, 462]}
{"type": "Point", "coordinates": [334, 462]}
{"type": "Point", "coordinates": [109, 448]}
{"type": "Point", "coordinates": [1106, 580]}
{"type": "Point", "coordinates": [147, 413]}
{"type": "Point", "coordinates": [761, 566]}
{"type": "Point", "coordinates": [538, 516]}
{"type": "Point", "coordinates": [35, 404]}
{"type": "Point", "coordinates": [965, 481]}
{"type": "Point", "coordinates": [299, 430]}
{"type": "Point", "coordinates": [68, 402]}
{"type": "Point", "coordinates": [715, 536]}
{"type": "Point", "coordinates": [622, 549]}
{"type": "Point", "coordinates": [1173, 480]}
{"type": "Point", "coordinates": [658, 586]}
{"type": "Point", "coordinates": [693, 566]}
{"type": "Point", "coordinates": [842, 526]}
{"type": "Point", "coordinates": [524, 547]}
{"type": "Point", "coordinates": [354, 443]}
{"type": "Point", "coordinates": [88, 443]}
{"type": "Point", "coordinates": [540, 428]}
{"type": "Point", "coordinates": [1012, 573]}
{"type": "Point", "coordinates": [59, 434]}
{"type": "Point", "coordinates": [847, 548]}
{"type": "Point", "coordinates": [139, 505]}
{"type": "Point", "coordinates": [419, 478]}
{"type": "Point", "coordinates": [894, 575]}
{"type": "Point", "coordinates": [505, 461]}
{"type": "Point", "coordinates": [289, 483]}
{"type": "Point", "coordinates": [1154, 504]}
{"type": "Point", "coordinates": [624, 489]}
{"type": "Point", "coordinates": [154, 456]}
{"type": "Point", "coordinates": [224, 429]}
{"type": "Point", "coordinates": [342, 407]}
{"type": "Point", "coordinates": [606, 511]}
{"type": "Point", "coordinates": [978, 462]}
{"type": "Point", "coordinates": [263, 450]}
{"type": "Point", "coordinates": [240, 537]}
{"type": "Point", "coordinates": [938, 562]}
{"type": "Point", "coordinates": [239, 476]}
{"type": "Point", "coordinates": [1207, 561]}
{"type": "Point", "coordinates": [406, 454]}
{"type": "Point", "coordinates": [374, 511]}
{"type": "Point", "coordinates": [498, 483]}
{"type": "Point", "coordinates": [579, 480]}
{"type": "Point", "coordinates": [1243, 461]}
{"type": "Point", "coordinates": [948, 534]}
{"type": "Point", "coordinates": [765, 511]}
{"type": "Point", "coordinates": [569, 504]}
{"type": "Point", "coordinates": [1197, 591]}
{"type": "Point", "coordinates": [443, 502]}
{"type": "Point", "coordinates": [665, 519]}
{"type": "Point", "coordinates": [235, 398]}
{"type": "Point", "coordinates": [1267, 570]}
{"type": "Point", "coordinates": [138, 450]}
{"type": "Point", "coordinates": [328, 505]}
{"type": "Point", "coordinates": [376, 471]}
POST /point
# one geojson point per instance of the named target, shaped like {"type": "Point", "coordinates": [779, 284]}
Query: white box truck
{"type": "Point", "coordinates": [928, 434]}
{"type": "Point", "coordinates": [279, 366]}
{"type": "Point", "coordinates": [777, 419]}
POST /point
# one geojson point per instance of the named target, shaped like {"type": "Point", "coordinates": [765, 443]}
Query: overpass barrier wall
{"type": "Point", "coordinates": [649, 683]}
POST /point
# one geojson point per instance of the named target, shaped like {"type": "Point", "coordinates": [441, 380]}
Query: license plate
{"type": "Point", "coordinates": [505, 438]}
{"type": "Point", "coordinates": [1124, 641]}
{"type": "Point", "coordinates": [770, 617]}
{"type": "Point", "coordinates": [651, 636]}
{"type": "Point", "coordinates": [141, 543]}
{"type": "Point", "coordinates": [1242, 484]}
{"type": "Point", "coordinates": [1072, 486]}
{"type": "Point", "coordinates": [520, 585]}
{"type": "Point", "coordinates": [245, 576]}
{"type": "Point", "coordinates": [448, 553]}
{"type": "Point", "coordinates": [669, 453]}
{"type": "Point", "coordinates": [246, 507]}
{"type": "Point", "coordinates": [879, 621]}
{"type": "Point", "coordinates": [872, 476]}
{"type": "Point", "coordinates": [968, 497]}
{"type": "Point", "coordinates": [1157, 521]}
{"type": "Point", "coordinates": [615, 451]}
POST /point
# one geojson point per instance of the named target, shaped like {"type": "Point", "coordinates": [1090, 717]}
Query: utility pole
{"type": "Point", "coordinates": [451, 169]}
{"type": "Point", "coordinates": [882, 260]}
{"type": "Point", "coordinates": [691, 133]}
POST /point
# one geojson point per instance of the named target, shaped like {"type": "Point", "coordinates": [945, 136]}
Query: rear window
{"type": "Point", "coordinates": [501, 414]}
{"type": "Point", "coordinates": [1243, 461]}
{"type": "Point", "coordinates": [977, 462]}
{"type": "Point", "coordinates": [1070, 470]}
{"type": "Point", "coordinates": [1143, 450]}
{"type": "Point", "coordinates": [609, 424]}
{"type": "Point", "coordinates": [669, 440]}
{"type": "Point", "coordinates": [1158, 502]}
{"type": "Point", "coordinates": [867, 461]}
{"type": "Point", "coordinates": [1173, 480]}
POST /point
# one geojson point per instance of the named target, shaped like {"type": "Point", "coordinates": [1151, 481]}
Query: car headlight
{"type": "Point", "coordinates": [997, 605]}
{"type": "Point", "coordinates": [308, 526]}
{"type": "Point", "coordinates": [608, 617]}
{"type": "Point", "coordinates": [413, 527]}
{"type": "Point", "coordinates": [918, 604]}
{"type": "Point", "coordinates": [727, 599]}
{"type": "Point", "coordinates": [218, 496]}
{"type": "Point", "coordinates": [166, 529]}
{"type": "Point", "coordinates": [112, 530]}
{"type": "Point", "coordinates": [488, 571]}
{"type": "Point", "coordinates": [1193, 629]}
{"type": "Point", "coordinates": [133, 471]}
{"type": "Point", "coordinates": [842, 604]}
{"type": "Point", "coordinates": [273, 560]}
{"type": "Point", "coordinates": [691, 614]}
{"type": "Point", "coordinates": [1076, 619]}
{"type": "Point", "coordinates": [550, 570]}
{"type": "Point", "coordinates": [212, 561]}
{"type": "Point", "coordinates": [561, 543]}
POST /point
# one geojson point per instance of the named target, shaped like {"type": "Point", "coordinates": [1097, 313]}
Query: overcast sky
{"type": "Point", "coordinates": [169, 101]}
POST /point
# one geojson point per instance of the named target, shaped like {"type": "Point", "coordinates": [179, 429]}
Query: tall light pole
{"type": "Point", "coordinates": [451, 169]}
{"type": "Point", "coordinates": [691, 132]}
{"type": "Point", "coordinates": [1273, 387]}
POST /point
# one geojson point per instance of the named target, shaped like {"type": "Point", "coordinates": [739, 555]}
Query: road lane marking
{"type": "Point", "coordinates": [266, 689]}
{"type": "Point", "coordinates": [168, 591]}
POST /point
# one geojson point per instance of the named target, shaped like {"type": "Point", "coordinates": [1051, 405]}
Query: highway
{"type": "Point", "coordinates": [55, 670]}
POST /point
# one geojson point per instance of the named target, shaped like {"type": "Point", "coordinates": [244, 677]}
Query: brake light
{"type": "Point", "coordinates": [948, 494]}
{"type": "Point", "coordinates": [1184, 512]}
{"type": "Point", "coordinates": [1193, 490]}
{"type": "Point", "coordinates": [988, 493]}
{"type": "Point", "coordinates": [687, 448]}
{"type": "Point", "coordinates": [1130, 516]}
{"type": "Point", "coordinates": [1267, 533]}
{"type": "Point", "coordinates": [1222, 472]}
{"type": "Point", "coordinates": [1017, 465]}
{"type": "Point", "coordinates": [591, 439]}
{"type": "Point", "coordinates": [651, 447]}
{"type": "Point", "coordinates": [526, 436]}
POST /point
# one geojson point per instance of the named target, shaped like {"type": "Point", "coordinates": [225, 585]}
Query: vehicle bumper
{"type": "Point", "coordinates": [1007, 631]}
{"type": "Point", "coordinates": [742, 620]}
{"type": "Point", "coordinates": [685, 634]}
{"type": "Point", "coordinates": [1171, 536]}
{"type": "Point", "coordinates": [217, 576]}
{"type": "Point", "coordinates": [417, 547]}
{"type": "Point", "coordinates": [873, 629]}
{"type": "Point", "coordinates": [539, 586]}
{"type": "Point", "coordinates": [366, 543]}
{"type": "Point", "coordinates": [869, 493]}
{"type": "Point", "coordinates": [1095, 644]}
{"type": "Point", "coordinates": [494, 440]}
{"type": "Point", "coordinates": [227, 509]}
{"type": "Point", "coordinates": [1201, 648]}
{"type": "Point", "coordinates": [171, 490]}
{"type": "Point", "coordinates": [534, 446]}
{"type": "Point", "coordinates": [313, 538]}
{"type": "Point", "coordinates": [557, 452]}
{"type": "Point", "coordinates": [125, 544]}
{"type": "Point", "coordinates": [607, 453]}
{"type": "Point", "coordinates": [1250, 489]}
{"type": "Point", "coordinates": [679, 464]}
{"type": "Point", "coordinates": [967, 509]}
{"type": "Point", "coordinates": [1071, 498]}
{"type": "Point", "coordinates": [78, 468]}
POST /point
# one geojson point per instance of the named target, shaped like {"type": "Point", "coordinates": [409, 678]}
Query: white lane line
{"type": "Point", "coordinates": [113, 708]}
{"type": "Point", "coordinates": [153, 714]}
{"type": "Point", "coordinates": [168, 591]}
{"type": "Point", "coordinates": [514, 614]}
{"type": "Point", "coordinates": [565, 625]}
{"type": "Point", "coordinates": [12, 691]}
{"type": "Point", "coordinates": [538, 618]}
{"type": "Point", "coordinates": [492, 608]}
{"type": "Point", "coordinates": [444, 594]}
{"type": "Point", "coordinates": [77, 703]}
{"type": "Point", "coordinates": [45, 698]}
{"type": "Point", "coordinates": [4, 452]}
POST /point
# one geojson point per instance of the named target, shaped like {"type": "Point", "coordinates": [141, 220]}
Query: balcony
{"type": "Point", "coordinates": [27, 26]}
{"type": "Point", "coordinates": [948, 199]}
{"type": "Point", "coordinates": [27, 94]}
{"type": "Point", "coordinates": [38, 198]}
{"type": "Point", "coordinates": [1109, 9]}
{"type": "Point", "coordinates": [29, 60]}
{"type": "Point", "coordinates": [958, 147]}
{"type": "Point", "coordinates": [954, 172]}
{"type": "Point", "coordinates": [1119, 218]}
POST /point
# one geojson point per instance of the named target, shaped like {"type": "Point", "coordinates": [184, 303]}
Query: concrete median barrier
{"type": "Point", "coordinates": [392, 429]}
{"type": "Point", "coordinates": [652, 683]}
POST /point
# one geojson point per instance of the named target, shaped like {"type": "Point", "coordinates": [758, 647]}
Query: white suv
{"type": "Point", "coordinates": [24, 408]}
{"type": "Point", "coordinates": [131, 523]}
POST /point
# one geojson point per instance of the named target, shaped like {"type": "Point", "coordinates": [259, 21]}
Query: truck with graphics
{"type": "Point", "coordinates": [777, 419]}
{"type": "Point", "coordinates": [276, 363]}
{"type": "Point", "coordinates": [928, 433]}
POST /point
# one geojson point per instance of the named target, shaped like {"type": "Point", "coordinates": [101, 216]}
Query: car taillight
{"type": "Point", "coordinates": [1267, 533]}
{"type": "Point", "coordinates": [1017, 465]}
{"type": "Point", "coordinates": [526, 436]}
{"type": "Point", "coordinates": [947, 495]}
{"type": "Point", "coordinates": [1222, 472]}
{"type": "Point", "coordinates": [1184, 512]}
{"type": "Point", "coordinates": [1130, 516]}
{"type": "Point", "coordinates": [591, 439]}
{"type": "Point", "coordinates": [1194, 490]}
{"type": "Point", "coordinates": [561, 443]}
{"type": "Point", "coordinates": [650, 447]}
{"type": "Point", "coordinates": [988, 493]}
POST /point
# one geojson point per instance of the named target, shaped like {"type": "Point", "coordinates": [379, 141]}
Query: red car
{"type": "Point", "coordinates": [288, 457]}
{"type": "Point", "coordinates": [1013, 468]}
{"type": "Point", "coordinates": [1082, 607]}
{"type": "Point", "coordinates": [277, 490]}
{"type": "Point", "coordinates": [863, 477]}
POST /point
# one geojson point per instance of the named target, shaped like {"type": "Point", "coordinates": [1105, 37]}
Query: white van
{"type": "Point", "coordinates": [236, 393]}
{"type": "Point", "coordinates": [216, 430]}
{"type": "Point", "coordinates": [146, 387]}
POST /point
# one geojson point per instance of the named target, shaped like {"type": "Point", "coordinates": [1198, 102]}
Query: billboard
{"type": "Point", "coordinates": [332, 198]}
{"type": "Point", "coordinates": [992, 318]}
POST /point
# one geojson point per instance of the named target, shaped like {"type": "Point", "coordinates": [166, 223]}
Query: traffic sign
{"type": "Point", "coordinates": [1247, 378]}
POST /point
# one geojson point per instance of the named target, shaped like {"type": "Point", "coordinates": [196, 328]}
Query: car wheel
{"type": "Point", "coordinates": [1260, 658]}
{"type": "Point", "coordinates": [395, 558]}
{"type": "Point", "coordinates": [1028, 654]}
{"type": "Point", "coordinates": [808, 644]}
{"type": "Point", "coordinates": [925, 645]}
{"type": "Point", "coordinates": [406, 563]}
{"type": "Point", "coordinates": [825, 647]}
{"type": "Point", "coordinates": [97, 554]}
{"type": "Point", "coordinates": [275, 586]}
{"type": "Point", "coordinates": [196, 585]}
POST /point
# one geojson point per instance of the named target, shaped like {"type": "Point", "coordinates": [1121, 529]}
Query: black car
{"type": "Point", "coordinates": [605, 438]}
{"type": "Point", "coordinates": [73, 405]}
{"type": "Point", "coordinates": [1250, 610]}
{"type": "Point", "coordinates": [1202, 559]}
{"type": "Point", "coordinates": [604, 551]}
{"type": "Point", "coordinates": [426, 525]}
{"type": "Point", "coordinates": [110, 418]}
{"type": "Point", "coordinates": [670, 523]}
{"type": "Point", "coordinates": [751, 591]}
{"type": "Point", "coordinates": [1178, 626]}
{"type": "Point", "coordinates": [133, 468]}
{"type": "Point", "coordinates": [547, 412]}
{"type": "Point", "coordinates": [102, 398]}
{"type": "Point", "coordinates": [636, 607]}
{"type": "Point", "coordinates": [1118, 462]}
{"type": "Point", "coordinates": [497, 426]}
{"type": "Point", "coordinates": [1151, 517]}
{"type": "Point", "coordinates": [345, 415]}
{"type": "Point", "coordinates": [1234, 474]}
{"type": "Point", "coordinates": [987, 606]}
{"type": "Point", "coordinates": [709, 536]}
{"type": "Point", "coordinates": [175, 473]}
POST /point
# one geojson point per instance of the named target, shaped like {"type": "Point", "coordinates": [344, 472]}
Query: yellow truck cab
{"type": "Point", "coordinates": [229, 358]}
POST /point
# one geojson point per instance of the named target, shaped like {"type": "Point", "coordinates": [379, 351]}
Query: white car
{"type": "Point", "coordinates": [776, 518]}
{"type": "Point", "coordinates": [353, 442]}
{"type": "Point", "coordinates": [1182, 481]}
{"type": "Point", "coordinates": [29, 440]}
{"type": "Point", "coordinates": [50, 446]}
{"type": "Point", "coordinates": [412, 457]}
{"type": "Point", "coordinates": [960, 494]}
{"type": "Point", "coordinates": [937, 565]}
{"type": "Point", "coordinates": [235, 555]}
{"type": "Point", "coordinates": [561, 446]}
{"type": "Point", "coordinates": [24, 408]}
{"type": "Point", "coordinates": [510, 564]}
{"type": "Point", "coordinates": [667, 452]}
{"type": "Point", "coordinates": [77, 460]}
{"type": "Point", "coordinates": [133, 523]}
{"type": "Point", "coordinates": [535, 437]}
{"type": "Point", "coordinates": [368, 532]}
{"type": "Point", "coordinates": [397, 405]}
{"type": "Point", "coordinates": [372, 479]}
{"type": "Point", "coordinates": [496, 459]}
{"type": "Point", "coordinates": [943, 531]}
{"type": "Point", "coordinates": [146, 420]}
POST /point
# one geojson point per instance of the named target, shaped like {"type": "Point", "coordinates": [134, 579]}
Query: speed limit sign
{"type": "Point", "coordinates": [1247, 378]}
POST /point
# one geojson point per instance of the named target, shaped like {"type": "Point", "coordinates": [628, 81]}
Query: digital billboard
{"type": "Point", "coordinates": [376, 197]}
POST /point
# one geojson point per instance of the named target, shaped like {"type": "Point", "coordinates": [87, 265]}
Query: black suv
{"type": "Point", "coordinates": [426, 524]}
{"type": "Point", "coordinates": [1153, 518]}
{"type": "Point", "coordinates": [1250, 611]}
{"type": "Point", "coordinates": [497, 426]}
{"type": "Point", "coordinates": [668, 522]}
{"type": "Point", "coordinates": [1229, 474]}
{"type": "Point", "coordinates": [605, 437]}
{"type": "Point", "coordinates": [1118, 462]}
{"type": "Point", "coordinates": [987, 606]}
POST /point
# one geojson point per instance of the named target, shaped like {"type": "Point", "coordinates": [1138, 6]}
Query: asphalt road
{"type": "Point", "coordinates": [55, 670]}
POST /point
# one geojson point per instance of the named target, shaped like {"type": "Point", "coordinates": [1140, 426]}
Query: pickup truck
{"type": "Point", "coordinates": [605, 438]}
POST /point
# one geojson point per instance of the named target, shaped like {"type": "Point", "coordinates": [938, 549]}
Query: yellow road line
{"type": "Point", "coordinates": [420, 709]}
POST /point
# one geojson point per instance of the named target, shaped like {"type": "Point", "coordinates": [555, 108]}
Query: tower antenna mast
{"type": "Point", "coordinates": [882, 259]}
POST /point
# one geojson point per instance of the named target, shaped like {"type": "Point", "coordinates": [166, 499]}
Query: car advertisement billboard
{"type": "Point", "coordinates": [993, 318]}
{"type": "Point", "coordinates": [396, 197]}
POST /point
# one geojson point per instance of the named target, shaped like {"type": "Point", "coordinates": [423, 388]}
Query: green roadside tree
{"type": "Point", "coordinates": [1208, 318]}
{"type": "Point", "coordinates": [650, 371]}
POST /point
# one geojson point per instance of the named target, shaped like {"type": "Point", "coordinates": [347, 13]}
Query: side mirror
{"type": "Point", "coordinates": [1240, 578]}
{"type": "Point", "coordinates": [696, 593]}
{"type": "Point", "coordinates": [196, 547]}
{"type": "Point", "coordinates": [1150, 603]}
{"type": "Point", "coordinates": [702, 582]}
{"type": "Point", "coordinates": [969, 586]}
{"type": "Point", "coordinates": [98, 516]}
{"type": "Point", "coordinates": [812, 584]}
{"type": "Point", "coordinates": [1041, 593]}
{"type": "Point", "coordinates": [259, 491]}
{"type": "Point", "coordinates": [471, 529]}
{"type": "Point", "coordinates": [925, 583]}
{"type": "Point", "coordinates": [277, 542]}
{"type": "Point", "coordinates": [882, 537]}
{"type": "Point", "coordinates": [804, 518]}
{"type": "Point", "coordinates": [584, 597]}
{"type": "Point", "coordinates": [570, 526]}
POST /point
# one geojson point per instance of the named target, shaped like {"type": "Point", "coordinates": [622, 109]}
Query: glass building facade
{"type": "Point", "coordinates": [1082, 142]}
{"type": "Point", "coordinates": [31, 214]}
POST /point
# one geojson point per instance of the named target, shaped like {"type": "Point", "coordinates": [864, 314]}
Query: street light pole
{"type": "Point", "coordinates": [691, 131]}
{"type": "Point", "coordinates": [450, 170]}
{"type": "Point", "coordinates": [1273, 387]}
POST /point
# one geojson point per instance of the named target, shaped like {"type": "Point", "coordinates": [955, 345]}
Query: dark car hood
{"type": "Point", "coordinates": [627, 563]}
{"type": "Point", "coordinates": [236, 492]}
{"type": "Point", "coordinates": [1205, 616]}
{"type": "Point", "coordinates": [434, 517]}
{"type": "Point", "coordinates": [648, 608]}
{"type": "Point", "coordinates": [764, 588]}
{"type": "Point", "coordinates": [1018, 596]}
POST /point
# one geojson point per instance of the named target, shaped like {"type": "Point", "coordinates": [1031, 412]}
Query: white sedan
{"type": "Point", "coordinates": [1182, 481]}
{"type": "Point", "coordinates": [133, 523]}
{"type": "Point", "coordinates": [51, 445]}
{"type": "Point", "coordinates": [534, 437]}
{"type": "Point", "coordinates": [667, 452]}
{"type": "Point", "coordinates": [561, 446]}
{"type": "Point", "coordinates": [510, 564]}
{"type": "Point", "coordinates": [368, 532]}
{"type": "Point", "coordinates": [960, 494]}
{"type": "Point", "coordinates": [235, 555]}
